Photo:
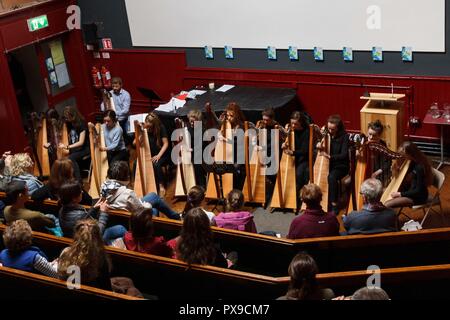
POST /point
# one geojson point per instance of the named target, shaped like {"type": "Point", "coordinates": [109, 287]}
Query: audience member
{"type": "Point", "coordinates": [21, 170]}
{"type": "Point", "coordinates": [195, 197]}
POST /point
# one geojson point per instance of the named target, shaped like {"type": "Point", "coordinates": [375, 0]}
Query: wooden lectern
{"type": "Point", "coordinates": [387, 108]}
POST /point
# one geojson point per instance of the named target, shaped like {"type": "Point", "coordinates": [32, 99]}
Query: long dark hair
{"type": "Point", "coordinates": [141, 226]}
{"type": "Point", "coordinates": [62, 171]}
{"type": "Point", "coordinates": [337, 120]}
{"type": "Point", "coordinates": [77, 120]}
{"type": "Point", "coordinates": [235, 200]}
{"type": "Point", "coordinates": [196, 245]}
{"type": "Point", "coordinates": [413, 153]}
{"type": "Point", "coordinates": [153, 119]}
{"type": "Point", "coordinates": [302, 270]}
{"type": "Point", "coordinates": [195, 197]}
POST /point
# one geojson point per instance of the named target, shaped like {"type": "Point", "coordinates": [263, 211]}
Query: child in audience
{"type": "Point", "coordinates": [235, 218]}
{"type": "Point", "coordinates": [17, 196]}
{"type": "Point", "coordinates": [62, 171]}
{"type": "Point", "coordinates": [195, 197]}
{"type": "Point", "coordinates": [21, 169]}
{"type": "Point", "coordinates": [367, 293]}
{"type": "Point", "coordinates": [303, 285]}
{"type": "Point", "coordinates": [87, 252]}
{"type": "Point", "coordinates": [119, 197]}
{"type": "Point", "coordinates": [71, 212]}
{"type": "Point", "coordinates": [195, 245]}
{"type": "Point", "coordinates": [20, 254]}
{"type": "Point", "coordinates": [141, 236]}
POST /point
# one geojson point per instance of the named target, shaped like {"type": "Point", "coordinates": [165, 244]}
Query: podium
{"type": "Point", "coordinates": [388, 108]}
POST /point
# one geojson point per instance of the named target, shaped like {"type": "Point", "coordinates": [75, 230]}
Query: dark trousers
{"type": "Point", "coordinates": [301, 179]}
{"type": "Point", "coordinates": [200, 175]}
{"type": "Point", "coordinates": [126, 137]}
{"type": "Point", "coordinates": [157, 167]}
{"type": "Point", "coordinates": [76, 158]}
{"type": "Point", "coordinates": [119, 155]}
{"type": "Point", "coordinates": [334, 176]}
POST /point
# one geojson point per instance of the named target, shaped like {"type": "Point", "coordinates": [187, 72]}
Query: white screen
{"type": "Point", "coordinates": [330, 24]}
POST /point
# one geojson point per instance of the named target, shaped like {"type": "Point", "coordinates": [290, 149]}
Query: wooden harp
{"type": "Point", "coordinates": [42, 163]}
{"type": "Point", "coordinates": [99, 160]}
{"type": "Point", "coordinates": [185, 169]}
{"type": "Point", "coordinates": [144, 182]}
{"type": "Point", "coordinates": [321, 169]}
{"type": "Point", "coordinates": [255, 181]}
{"type": "Point", "coordinates": [61, 136]}
{"type": "Point", "coordinates": [285, 195]}
{"type": "Point", "coordinates": [358, 171]}
{"type": "Point", "coordinates": [108, 101]}
{"type": "Point", "coordinates": [223, 154]}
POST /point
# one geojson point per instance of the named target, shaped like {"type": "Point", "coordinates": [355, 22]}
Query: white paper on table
{"type": "Point", "coordinates": [194, 93]}
{"type": "Point", "coordinates": [62, 75]}
{"type": "Point", "coordinates": [225, 88]}
{"type": "Point", "coordinates": [173, 105]}
{"type": "Point", "coordinates": [139, 117]}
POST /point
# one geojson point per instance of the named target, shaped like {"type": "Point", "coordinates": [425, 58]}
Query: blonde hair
{"type": "Point", "coordinates": [18, 236]}
{"type": "Point", "coordinates": [20, 164]}
{"type": "Point", "coordinates": [197, 114]}
{"type": "Point", "coordinates": [87, 252]}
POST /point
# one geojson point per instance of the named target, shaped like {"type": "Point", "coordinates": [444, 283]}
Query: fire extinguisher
{"type": "Point", "coordinates": [97, 78]}
{"type": "Point", "coordinates": [106, 77]}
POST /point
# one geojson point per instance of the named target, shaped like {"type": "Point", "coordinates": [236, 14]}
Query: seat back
{"type": "Point", "coordinates": [438, 179]}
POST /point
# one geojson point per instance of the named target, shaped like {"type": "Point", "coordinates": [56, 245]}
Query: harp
{"type": "Point", "coordinates": [60, 136]}
{"type": "Point", "coordinates": [358, 171]}
{"type": "Point", "coordinates": [255, 181]}
{"type": "Point", "coordinates": [99, 163]}
{"type": "Point", "coordinates": [223, 154]}
{"type": "Point", "coordinates": [108, 101]}
{"type": "Point", "coordinates": [284, 195]}
{"type": "Point", "coordinates": [321, 168]}
{"type": "Point", "coordinates": [144, 182]}
{"type": "Point", "coordinates": [185, 169]}
{"type": "Point", "coordinates": [39, 140]}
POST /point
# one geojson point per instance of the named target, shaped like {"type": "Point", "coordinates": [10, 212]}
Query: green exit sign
{"type": "Point", "coordinates": [37, 23]}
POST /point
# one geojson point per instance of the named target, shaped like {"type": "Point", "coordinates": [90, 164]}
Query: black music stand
{"type": "Point", "coordinates": [218, 169]}
{"type": "Point", "coordinates": [149, 94]}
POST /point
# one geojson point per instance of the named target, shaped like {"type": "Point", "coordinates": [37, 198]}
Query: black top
{"type": "Point", "coordinates": [415, 186]}
{"type": "Point", "coordinates": [46, 192]}
{"type": "Point", "coordinates": [339, 152]}
{"type": "Point", "coordinates": [301, 146]}
{"type": "Point", "coordinates": [74, 136]}
{"type": "Point", "coordinates": [155, 149]}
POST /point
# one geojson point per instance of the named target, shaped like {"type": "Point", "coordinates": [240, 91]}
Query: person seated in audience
{"type": "Point", "coordinates": [17, 195]}
{"type": "Point", "coordinates": [195, 197]}
{"type": "Point", "coordinates": [21, 169]}
{"type": "Point", "coordinates": [62, 172]}
{"type": "Point", "coordinates": [374, 217]}
{"type": "Point", "coordinates": [414, 189]}
{"type": "Point", "coordinates": [4, 179]}
{"type": "Point", "coordinates": [195, 245]}
{"type": "Point", "coordinates": [122, 103]}
{"type": "Point", "coordinates": [79, 146]}
{"type": "Point", "coordinates": [314, 222]}
{"type": "Point", "coordinates": [303, 285]}
{"type": "Point", "coordinates": [159, 146]}
{"type": "Point", "coordinates": [235, 218]}
{"type": "Point", "coordinates": [21, 254]}
{"type": "Point", "coordinates": [71, 212]}
{"type": "Point", "coordinates": [114, 141]}
{"type": "Point", "coordinates": [120, 197]}
{"type": "Point", "coordinates": [339, 159]}
{"type": "Point", "coordinates": [367, 293]}
{"type": "Point", "coordinates": [141, 237]}
{"type": "Point", "coordinates": [87, 252]}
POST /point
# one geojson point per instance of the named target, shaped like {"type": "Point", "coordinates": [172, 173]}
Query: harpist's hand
{"type": "Point", "coordinates": [324, 154]}
{"type": "Point", "coordinates": [156, 158]}
{"type": "Point", "coordinates": [47, 145]}
{"type": "Point", "coordinates": [376, 174]}
{"type": "Point", "coordinates": [396, 195]}
{"type": "Point", "coordinates": [103, 149]}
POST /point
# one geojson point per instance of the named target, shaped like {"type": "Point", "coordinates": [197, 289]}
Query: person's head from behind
{"type": "Point", "coordinates": [196, 238]}
{"type": "Point", "coordinates": [195, 197]}
{"type": "Point", "coordinates": [370, 293]}
{"type": "Point", "coordinates": [302, 270]}
{"type": "Point", "coordinates": [141, 225]}
{"type": "Point", "coordinates": [116, 84]}
{"type": "Point", "coordinates": [371, 191]}
{"type": "Point", "coordinates": [86, 252]}
{"type": "Point", "coordinates": [119, 171]}
{"type": "Point", "coordinates": [235, 200]}
{"type": "Point", "coordinates": [335, 125]}
{"type": "Point", "coordinates": [311, 195]}
{"type": "Point", "coordinates": [110, 118]}
{"type": "Point", "coordinates": [268, 117]}
{"type": "Point", "coordinates": [16, 193]}
{"type": "Point", "coordinates": [70, 193]}
{"type": "Point", "coordinates": [52, 114]}
{"type": "Point", "coordinates": [62, 171]}
{"type": "Point", "coordinates": [298, 121]}
{"type": "Point", "coordinates": [21, 164]}
{"type": "Point", "coordinates": [18, 237]}
{"type": "Point", "coordinates": [375, 130]}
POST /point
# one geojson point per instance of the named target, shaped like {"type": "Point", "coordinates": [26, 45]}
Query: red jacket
{"type": "Point", "coordinates": [157, 246]}
{"type": "Point", "coordinates": [314, 223]}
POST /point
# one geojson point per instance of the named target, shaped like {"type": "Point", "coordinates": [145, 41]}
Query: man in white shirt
{"type": "Point", "coordinates": [122, 102]}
